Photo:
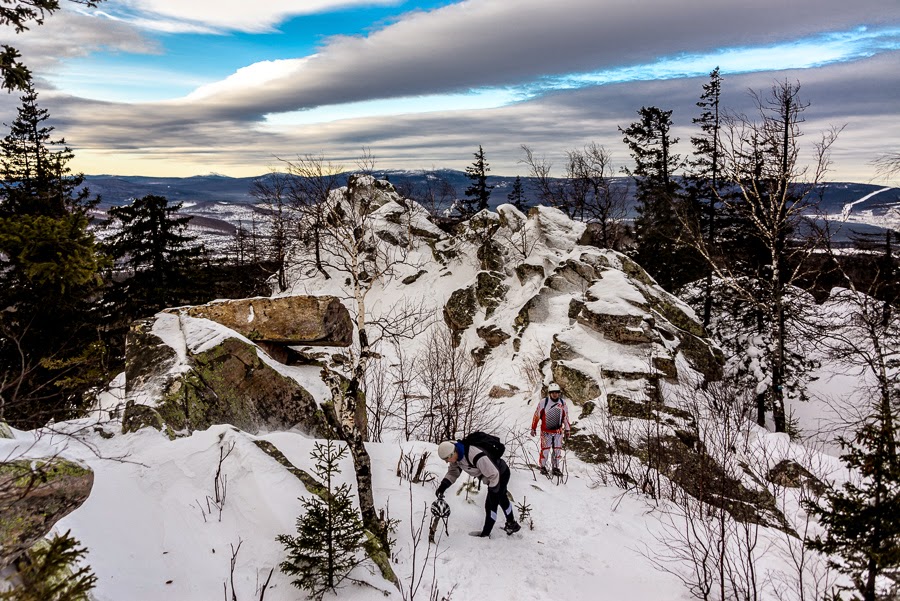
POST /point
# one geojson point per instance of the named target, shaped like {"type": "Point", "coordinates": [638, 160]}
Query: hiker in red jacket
{"type": "Point", "coordinates": [554, 417]}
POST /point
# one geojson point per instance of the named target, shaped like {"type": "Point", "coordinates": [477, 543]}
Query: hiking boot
{"type": "Point", "coordinates": [512, 527]}
{"type": "Point", "coordinates": [479, 534]}
{"type": "Point", "coordinates": [544, 471]}
{"type": "Point", "coordinates": [557, 472]}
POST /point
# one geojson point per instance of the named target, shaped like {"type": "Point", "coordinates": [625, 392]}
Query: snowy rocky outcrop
{"type": "Point", "coordinates": [185, 373]}
{"type": "Point", "coordinates": [34, 495]}
{"type": "Point", "coordinates": [609, 331]}
{"type": "Point", "coordinates": [532, 303]}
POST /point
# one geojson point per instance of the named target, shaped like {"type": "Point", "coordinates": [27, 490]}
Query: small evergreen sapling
{"type": "Point", "coordinates": [329, 533]}
{"type": "Point", "coordinates": [525, 514]}
{"type": "Point", "coordinates": [50, 572]}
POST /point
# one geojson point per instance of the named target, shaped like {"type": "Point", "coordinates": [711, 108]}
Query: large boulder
{"type": "Point", "coordinates": [34, 495]}
{"type": "Point", "coordinates": [459, 312]}
{"type": "Point", "coordinates": [290, 320]}
{"type": "Point", "coordinates": [209, 375]}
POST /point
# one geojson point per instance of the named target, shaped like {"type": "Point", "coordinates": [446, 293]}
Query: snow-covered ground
{"type": "Point", "coordinates": [149, 540]}
{"type": "Point", "coordinates": [152, 533]}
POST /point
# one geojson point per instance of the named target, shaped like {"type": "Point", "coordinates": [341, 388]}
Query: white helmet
{"type": "Point", "coordinates": [446, 448]}
{"type": "Point", "coordinates": [554, 387]}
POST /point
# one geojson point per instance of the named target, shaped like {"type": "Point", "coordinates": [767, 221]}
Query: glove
{"type": "Point", "coordinates": [444, 485]}
{"type": "Point", "coordinates": [534, 432]}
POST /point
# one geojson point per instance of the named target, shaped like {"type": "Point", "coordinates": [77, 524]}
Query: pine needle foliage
{"type": "Point", "coordinates": [50, 276]}
{"type": "Point", "coordinates": [479, 192]}
{"type": "Point", "coordinates": [861, 517]}
{"type": "Point", "coordinates": [329, 539]}
{"type": "Point", "coordinates": [51, 573]}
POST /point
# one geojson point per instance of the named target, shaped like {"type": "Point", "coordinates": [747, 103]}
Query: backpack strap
{"type": "Point", "coordinates": [496, 465]}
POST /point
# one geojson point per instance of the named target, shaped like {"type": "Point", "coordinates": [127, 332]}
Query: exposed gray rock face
{"type": "Point", "coordinates": [623, 329]}
{"type": "Point", "coordinates": [291, 320]}
{"type": "Point", "coordinates": [790, 474]}
{"type": "Point", "coordinates": [526, 271]}
{"type": "Point", "coordinates": [459, 312]}
{"type": "Point", "coordinates": [148, 360]}
{"type": "Point", "coordinates": [490, 290]}
{"type": "Point", "coordinates": [34, 495]}
{"type": "Point", "coordinates": [225, 381]}
{"type": "Point", "coordinates": [576, 384]}
{"type": "Point", "coordinates": [502, 392]}
{"type": "Point", "coordinates": [491, 256]}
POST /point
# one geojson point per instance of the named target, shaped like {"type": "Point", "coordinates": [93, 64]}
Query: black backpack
{"type": "Point", "coordinates": [488, 443]}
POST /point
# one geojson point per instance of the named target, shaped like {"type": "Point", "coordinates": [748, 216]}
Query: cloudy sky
{"type": "Point", "coordinates": [171, 87]}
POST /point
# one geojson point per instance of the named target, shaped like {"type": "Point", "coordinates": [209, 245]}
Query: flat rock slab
{"type": "Point", "coordinates": [290, 320]}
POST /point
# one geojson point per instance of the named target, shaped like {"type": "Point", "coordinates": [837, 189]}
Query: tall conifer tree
{"type": "Point", "coordinates": [153, 244]}
{"type": "Point", "coordinates": [477, 194]}
{"type": "Point", "coordinates": [36, 179]}
{"type": "Point", "coordinates": [659, 246]}
{"type": "Point", "coordinates": [704, 184]}
{"type": "Point", "coordinates": [517, 195]}
{"type": "Point", "coordinates": [50, 341]}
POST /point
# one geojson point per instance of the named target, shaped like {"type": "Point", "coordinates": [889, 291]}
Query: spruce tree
{"type": "Point", "coordinates": [659, 244]}
{"type": "Point", "coordinates": [52, 571]}
{"type": "Point", "coordinates": [704, 183]}
{"type": "Point", "coordinates": [516, 196]}
{"type": "Point", "coordinates": [35, 177]}
{"type": "Point", "coordinates": [153, 244]}
{"type": "Point", "coordinates": [478, 193]}
{"type": "Point", "coordinates": [51, 341]}
{"type": "Point", "coordinates": [330, 534]}
{"type": "Point", "coordinates": [861, 517]}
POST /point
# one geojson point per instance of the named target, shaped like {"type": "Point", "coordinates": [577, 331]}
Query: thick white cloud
{"type": "Point", "coordinates": [223, 15]}
{"type": "Point", "coordinates": [479, 43]}
{"type": "Point", "coordinates": [485, 43]}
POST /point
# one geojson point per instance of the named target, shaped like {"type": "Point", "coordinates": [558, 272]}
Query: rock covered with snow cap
{"type": "Point", "coordinates": [185, 373]}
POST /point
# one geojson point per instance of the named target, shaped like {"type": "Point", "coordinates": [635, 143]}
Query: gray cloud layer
{"type": "Point", "coordinates": [857, 96]}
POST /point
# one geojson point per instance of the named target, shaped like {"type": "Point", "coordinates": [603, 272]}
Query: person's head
{"type": "Point", "coordinates": [447, 451]}
{"type": "Point", "coordinates": [554, 391]}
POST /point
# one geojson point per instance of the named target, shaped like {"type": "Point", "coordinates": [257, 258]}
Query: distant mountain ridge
{"type": "Point", "coordinates": [205, 193]}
